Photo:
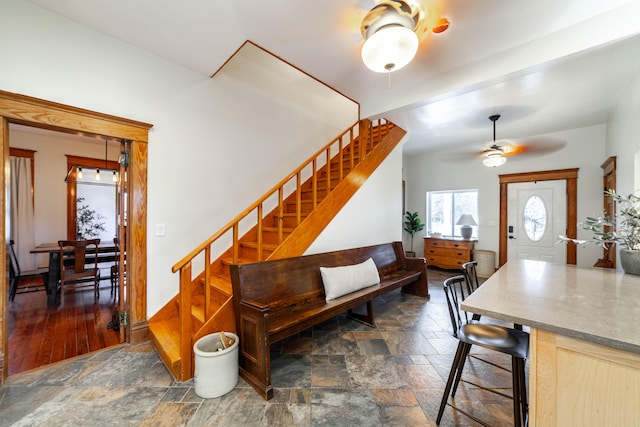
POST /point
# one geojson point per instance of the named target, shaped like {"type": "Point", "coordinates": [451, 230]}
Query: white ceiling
{"type": "Point", "coordinates": [544, 65]}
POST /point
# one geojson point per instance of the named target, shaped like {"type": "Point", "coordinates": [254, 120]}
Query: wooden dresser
{"type": "Point", "coordinates": [447, 252]}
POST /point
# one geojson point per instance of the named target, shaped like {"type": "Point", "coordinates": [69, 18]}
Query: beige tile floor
{"type": "Point", "coordinates": [340, 373]}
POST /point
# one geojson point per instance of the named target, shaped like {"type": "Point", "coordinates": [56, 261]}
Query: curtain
{"type": "Point", "coordinates": [21, 222]}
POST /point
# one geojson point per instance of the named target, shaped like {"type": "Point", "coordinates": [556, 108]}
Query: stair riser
{"type": "Point", "coordinates": [271, 237]}
{"type": "Point", "coordinates": [306, 206]}
{"type": "Point", "coordinates": [252, 253]}
{"type": "Point", "coordinates": [291, 221]}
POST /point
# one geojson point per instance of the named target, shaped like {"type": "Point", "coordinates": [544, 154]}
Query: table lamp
{"type": "Point", "coordinates": [466, 221]}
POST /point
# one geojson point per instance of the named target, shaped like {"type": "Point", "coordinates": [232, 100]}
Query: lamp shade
{"type": "Point", "coordinates": [389, 49]}
{"type": "Point", "coordinates": [466, 219]}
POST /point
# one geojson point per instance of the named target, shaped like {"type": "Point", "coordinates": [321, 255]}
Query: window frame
{"type": "Point", "coordinates": [455, 230]}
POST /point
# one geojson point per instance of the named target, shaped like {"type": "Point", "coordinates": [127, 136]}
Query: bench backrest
{"type": "Point", "coordinates": [289, 281]}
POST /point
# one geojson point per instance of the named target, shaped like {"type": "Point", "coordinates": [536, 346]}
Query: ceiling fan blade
{"type": "Point", "coordinates": [533, 146]}
{"type": "Point", "coordinates": [513, 148]}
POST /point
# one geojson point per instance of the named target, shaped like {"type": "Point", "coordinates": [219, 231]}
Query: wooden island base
{"type": "Point", "coordinates": [574, 382]}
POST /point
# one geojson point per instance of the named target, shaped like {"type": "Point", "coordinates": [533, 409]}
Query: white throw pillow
{"type": "Point", "coordinates": [339, 281]}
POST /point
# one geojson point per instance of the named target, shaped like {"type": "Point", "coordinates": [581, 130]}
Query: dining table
{"type": "Point", "coordinates": [584, 365]}
{"type": "Point", "coordinates": [107, 249]}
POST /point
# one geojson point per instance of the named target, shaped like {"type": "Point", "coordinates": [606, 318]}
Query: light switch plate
{"type": "Point", "coordinates": [160, 230]}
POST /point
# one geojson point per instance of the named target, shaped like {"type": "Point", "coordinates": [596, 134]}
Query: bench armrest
{"type": "Point", "coordinates": [255, 305]}
{"type": "Point", "coordinates": [416, 263]}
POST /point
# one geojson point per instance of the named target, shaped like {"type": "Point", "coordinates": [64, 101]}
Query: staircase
{"type": "Point", "coordinates": [282, 223]}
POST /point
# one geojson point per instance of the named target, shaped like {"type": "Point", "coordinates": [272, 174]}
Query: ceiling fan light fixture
{"type": "Point", "coordinates": [389, 49]}
{"type": "Point", "coordinates": [390, 40]}
{"type": "Point", "coordinates": [494, 161]}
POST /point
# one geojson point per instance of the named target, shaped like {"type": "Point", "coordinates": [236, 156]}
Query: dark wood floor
{"type": "Point", "coordinates": [41, 335]}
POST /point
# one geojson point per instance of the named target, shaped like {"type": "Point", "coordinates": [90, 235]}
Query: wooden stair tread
{"type": "Point", "coordinates": [275, 229]}
{"type": "Point", "coordinates": [293, 214]}
{"type": "Point", "coordinates": [166, 336]}
{"type": "Point", "coordinates": [222, 283]}
{"type": "Point", "coordinates": [229, 261]}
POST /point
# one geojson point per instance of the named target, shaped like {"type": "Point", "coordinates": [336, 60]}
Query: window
{"type": "Point", "coordinates": [535, 218]}
{"type": "Point", "coordinates": [445, 207]}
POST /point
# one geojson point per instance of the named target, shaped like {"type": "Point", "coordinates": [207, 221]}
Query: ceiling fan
{"type": "Point", "coordinates": [498, 151]}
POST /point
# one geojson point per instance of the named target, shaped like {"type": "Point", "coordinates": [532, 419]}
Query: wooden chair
{"type": "Point", "coordinates": [471, 278]}
{"type": "Point", "coordinates": [512, 342]}
{"type": "Point", "coordinates": [115, 268]}
{"type": "Point", "coordinates": [73, 265]}
{"type": "Point", "coordinates": [16, 274]}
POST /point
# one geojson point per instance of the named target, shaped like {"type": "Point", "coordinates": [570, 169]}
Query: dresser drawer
{"type": "Point", "coordinates": [447, 253]}
{"type": "Point", "coordinates": [444, 262]}
{"type": "Point", "coordinates": [451, 244]}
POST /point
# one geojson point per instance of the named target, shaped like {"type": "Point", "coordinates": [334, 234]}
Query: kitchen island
{"type": "Point", "coordinates": [585, 339]}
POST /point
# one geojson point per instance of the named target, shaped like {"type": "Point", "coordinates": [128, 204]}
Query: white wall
{"type": "Point", "coordinates": [216, 144]}
{"type": "Point", "coordinates": [585, 149]}
{"type": "Point", "coordinates": [374, 213]}
{"type": "Point", "coordinates": [623, 137]}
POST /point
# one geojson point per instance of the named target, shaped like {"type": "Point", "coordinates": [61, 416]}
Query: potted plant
{"type": "Point", "coordinates": [412, 224]}
{"type": "Point", "coordinates": [622, 229]}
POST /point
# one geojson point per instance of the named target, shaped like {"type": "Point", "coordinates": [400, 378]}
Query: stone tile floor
{"type": "Point", "coordinates": [340, 373]}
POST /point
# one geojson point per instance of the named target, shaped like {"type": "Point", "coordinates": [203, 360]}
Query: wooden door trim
{"type": "Point", "coordinates": [25, 110]}
{"type": "Point", "coordinates": [571, 178]}
{"type": "Point", "coordinates": [609, 254]}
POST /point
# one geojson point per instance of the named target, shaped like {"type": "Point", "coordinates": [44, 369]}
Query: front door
{"type": "Point", "coordinates": [537, 216]}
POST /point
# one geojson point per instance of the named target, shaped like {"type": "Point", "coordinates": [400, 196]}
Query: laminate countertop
{"type": "Point", "coordinates": [592, 304]}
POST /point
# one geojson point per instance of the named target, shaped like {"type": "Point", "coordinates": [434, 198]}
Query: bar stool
{"type": "Point", "coordinates": [512, 342]}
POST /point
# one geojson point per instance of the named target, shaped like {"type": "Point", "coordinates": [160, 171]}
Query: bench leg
{"type": "Point", "coordinates": [367, 319]}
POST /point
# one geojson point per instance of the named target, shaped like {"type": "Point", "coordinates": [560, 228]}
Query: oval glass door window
{"type": "Point", "coordinates": [535, 218]}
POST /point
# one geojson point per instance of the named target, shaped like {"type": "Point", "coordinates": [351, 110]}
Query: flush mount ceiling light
{"type": "Point", "coordinates": [390, 39]}
{"type": "Point", "coordinates": [494, 155]}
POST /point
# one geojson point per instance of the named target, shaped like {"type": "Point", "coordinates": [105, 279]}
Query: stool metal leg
{"type": "Point", "coordinates": [452, 374]}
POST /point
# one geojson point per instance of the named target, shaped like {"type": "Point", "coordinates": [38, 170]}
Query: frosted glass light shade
{"type": "Point", "coordinates": [494, 160]}
{"type": "Point", "coordinates": [389, 49]}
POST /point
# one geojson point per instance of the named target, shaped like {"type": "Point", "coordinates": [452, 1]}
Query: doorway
{"type": "Point", "coordinates": [537, 214]}
{"type": "Point", "coordinates": [570, 176]}
{"type": "Point", "coordinates": [35, 112]}
{"type": "Point", "coordinates": [45, 326]}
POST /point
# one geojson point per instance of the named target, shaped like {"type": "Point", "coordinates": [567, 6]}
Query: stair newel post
{"type": "Point", "coordinates": [352, 148]}
{"type": "Point", "coordinates": [235, 246]}
{"type": "Point", "coordinates": [298, 198]}
{"type": "Point", "coordinates": [259, 227]}
{"type": "Point", "coordinates": [207, 281]}
{"type": "Point", "coordinates": [314, 183]}
{"type": "Point", "coordinates": [186, 332]}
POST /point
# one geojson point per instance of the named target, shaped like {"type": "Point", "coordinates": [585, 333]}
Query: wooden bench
{"type": "Point", "coordinates": [276, 299]}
